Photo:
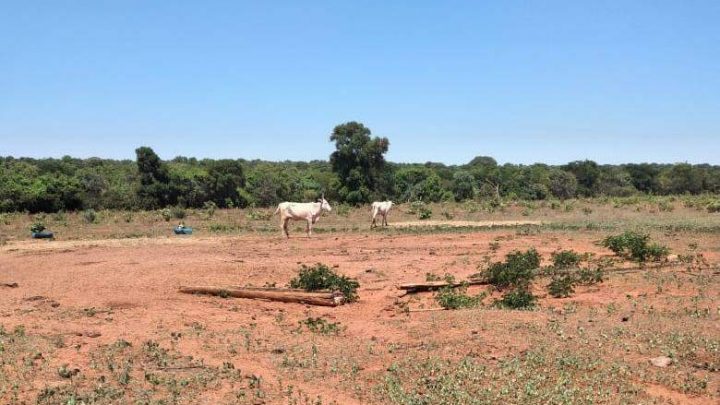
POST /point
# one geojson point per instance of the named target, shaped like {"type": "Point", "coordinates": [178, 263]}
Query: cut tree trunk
{"type": "Point", "coordinates": [436, 285]}
{"type": "Point", "coordinates": [323, 298]}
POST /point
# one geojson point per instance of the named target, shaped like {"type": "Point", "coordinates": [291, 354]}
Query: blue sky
{"type": "Point", "coordinates": [523, 81]}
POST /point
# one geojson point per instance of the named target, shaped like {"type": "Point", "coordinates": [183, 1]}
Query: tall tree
{"type": "Point", "coordinates": [358, 161]}
{"type": "Point", "coordinates": [154, 190]}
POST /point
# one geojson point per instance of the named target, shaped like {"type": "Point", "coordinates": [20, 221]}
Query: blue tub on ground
{"type": "Point", "coordinates": [183, 230]}
{"type": "Point", "coordinates": [42, 235]}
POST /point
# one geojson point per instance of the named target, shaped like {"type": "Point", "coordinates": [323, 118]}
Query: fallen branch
{"type": "Point", "coordinates": [436, 285]}
{"type": "Point", "coordinates": [9, 285]}
{"type": "Point", "coordinates": [325, 298]}
{"type": "Point", "coordinates": [427, 309]}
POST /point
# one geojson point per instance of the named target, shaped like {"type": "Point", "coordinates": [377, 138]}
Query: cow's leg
{"type": "Point", "coordinates": [385, 220]}
{"type": "Point", "coordinates": [308, 229]}
{"type": "Point", "coordinates": [372, 225]}
{"type": "Point", "coordinates": [284, 226]}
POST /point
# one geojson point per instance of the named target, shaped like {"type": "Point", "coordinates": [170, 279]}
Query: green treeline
{"type": "Point", "coordinates": [355, 173]}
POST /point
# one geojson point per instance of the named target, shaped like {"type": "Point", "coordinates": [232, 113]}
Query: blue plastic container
{"type": "Point", "coordinates": [185, 230]}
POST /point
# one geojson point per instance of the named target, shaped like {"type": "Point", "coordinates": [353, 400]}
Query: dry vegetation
{"type": "Point", "coordinates": [96, 316]}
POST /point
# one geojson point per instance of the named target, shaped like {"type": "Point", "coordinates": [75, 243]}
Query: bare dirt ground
{"type": "Point", "coordinates": [102, 321]}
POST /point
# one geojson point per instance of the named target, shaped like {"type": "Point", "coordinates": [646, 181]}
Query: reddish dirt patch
{"type": "Point", "coordinates": [127, 289]}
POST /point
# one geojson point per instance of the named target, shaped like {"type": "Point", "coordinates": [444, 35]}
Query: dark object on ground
{"type": "Point", "coordinates": [43, 235]}
{"type": "Point", "coordinates": [184, 230]}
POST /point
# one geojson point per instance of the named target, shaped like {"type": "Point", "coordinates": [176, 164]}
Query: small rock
{"type": "Point", "coordinates": [91, 334]}
{"type": "Point", "coordinates": [278, 350]}
{"type": "Point", "coordinates": [661, 361]}
{"type": "Point", "coordinates": [474, 332]}
{"type": "Point", "coordinates": [625, 318]}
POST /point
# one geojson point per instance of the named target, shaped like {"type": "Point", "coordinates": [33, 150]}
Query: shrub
{"type": "Point", "coordinates": [562, 286]}
{"type": "Point", "coordinates": [713, 206]}
{"type": "Point", "coordinates": [37, 227]}
{"type": "Point", "coordinates": [454, 298]}
{"type": "Point", "coordinates": [178, 212]}
{"type": "Point", "coordinates": [565, 259]}
{"type": "Point", "coordinates": [424, 213]}
{"type": "Point", "coordinates": [90, 216]}
{"type": "Point", "coordinates": [321, 277]}
{"type": "Point", "coordinates": [590, 276]}
{"type": "Point", "coordinates": [518, 270]}
{"type": "Point", "coordinates": [210, 207]}
{"type": "Point", "coordinates": [636, 247]}
{"type": "Point", "coordinates": [518, 298]}
{"type": "Point", "coordinates": [166, 214]}
{"type": "Point", "coordinates": [255, 214]}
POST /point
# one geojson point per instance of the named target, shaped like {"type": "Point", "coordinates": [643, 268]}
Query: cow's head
{"type": "Point", "coordinates": [324, 205]}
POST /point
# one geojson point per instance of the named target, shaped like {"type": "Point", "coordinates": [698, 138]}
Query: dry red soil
{"type": "Point", "coordinates": [132, 285]}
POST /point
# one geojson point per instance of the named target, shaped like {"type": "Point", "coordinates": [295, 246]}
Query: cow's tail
{"type": "Point", "coordinates": [277, 210]}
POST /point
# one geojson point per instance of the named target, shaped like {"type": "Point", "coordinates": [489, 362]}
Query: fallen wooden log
{"type": "Point", "coordinates": [9, 285]}
{"type": "Point", "coordinates": [323, 298]}
{"type": "Point", "coordinates": [436, 285]}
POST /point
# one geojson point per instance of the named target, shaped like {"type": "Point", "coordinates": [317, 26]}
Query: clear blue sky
{"type": "Point", "coordinates": [523, 81]}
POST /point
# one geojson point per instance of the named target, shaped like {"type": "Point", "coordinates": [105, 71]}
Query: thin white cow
{"type": "Point", "coordinates": [380, 208]}
{"type": "Point", "coordinates": [301, 211]}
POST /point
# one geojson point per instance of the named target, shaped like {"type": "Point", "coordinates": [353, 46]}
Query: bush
{"type": "Point", "coordinates": [562, 286]}
{"type": "Point", "coordinates": [636, 247]}
{"type": "Point", "coordinates": [590, 276]}
{"type": "Point", "coordinates": [454, 298]}
{"type": "Point", "coordinates": [518, 270]}
{"type": "Point", "coordinates": [321, 277]}
{"type": "Point", "coordinates": [210, 207]}
{"type": "Point", "coordinates": [713, 206]}
{"type": "Point", "coordinates": [178, 212]}
{"type": "Point", "coordinates": [37, 227]}
{"type": "Point", "coordinates": [166, 214]}
{"type": "Point", "coordinates": [90, 216]}
{"type": "Point", "coordinates": [518, 298]}
{"type": "Point", "coordinates": [566, 259]}
{"type": "Point", "coordinates": [421, 209]}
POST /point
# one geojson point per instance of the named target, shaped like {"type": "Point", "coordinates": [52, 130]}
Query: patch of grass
{"type": "Point", "coordinates": [562, 286]}
{"type": "Point", "coordinates": [455, 298]}
{"type": "Point", "coordinates": [565, 259]}
{"type": "Point", "coordinates": [321, 277]}
{"type": "Point", "coordinates": [321, 326]}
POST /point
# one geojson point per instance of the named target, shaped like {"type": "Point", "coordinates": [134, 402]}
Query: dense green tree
{"type": "Point", "coordinates": [463, 185]}
{"type": "Point", "coordinates": [154, 190]}
{"type": "Point", "coordinates": [358, 161]}
{"type": "Point", "coordinates": [587, 173]}
{"type": "Point", "coordinates": [563, 185]}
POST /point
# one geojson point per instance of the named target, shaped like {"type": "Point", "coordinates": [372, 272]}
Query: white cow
{"type": "Point", "coordinates": [299, 211]}
{"type": "Point", "coordinates": [380, 208]}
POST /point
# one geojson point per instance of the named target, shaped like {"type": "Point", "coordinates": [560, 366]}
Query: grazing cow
{"type": "Point", "coordinates": [301, 211]}
{"type": "Point", "coordinates": [380, 208]}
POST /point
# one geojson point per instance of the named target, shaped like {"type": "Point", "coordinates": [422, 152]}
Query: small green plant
{"type": "Point", "coordinates": [454, 298]}
{"type": "Point", "coordinates": [587, 210]}
{"type": "Point", "coordinates": [518, 270]}
{"type": "Point", "coordinates": [321, 326]}
{"type": "Point", "coordinates": [636, 247]}
{"type": "Point", "coordinates": [90, 216]}
{"type": "Point", "coordinates": [178, 212]}
{"type": "Point", "coordinates": [562, 286]}
{"type": "Point", "coordinates": [321, 277]}
{"type": "Point", "coordinates": [447, 214]}
{"type": "Point", "coordinates": [166, 214]}
{"type": "Point", "coordinates": [518, 298]}
{"type": "Point", "coordinates": [566, 259]}
{"type": "Point", "coordinates": [255, 214]}
{"type": "Point", "coordinates": [713, 206]}
{"type": "Point", "coordinates": [210, 207]}
{"type": "Point", "coordinates": [37, 227]}
{"type": "Point", "coordinates": [590, 276]}
{"type": "Point", "coordinates": [665, 206]}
